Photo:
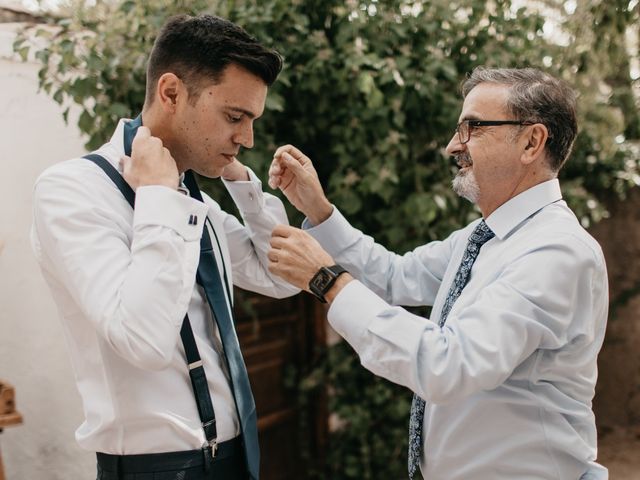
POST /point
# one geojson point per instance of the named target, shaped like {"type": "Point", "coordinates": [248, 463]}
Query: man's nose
{"type": "Point", "coordinates": [455, 147]}
{"type": "Point", "coordinates": [244, 136]}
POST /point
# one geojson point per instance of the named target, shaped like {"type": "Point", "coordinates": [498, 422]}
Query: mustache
{"type": "Point", "coordinates": [463, 160]}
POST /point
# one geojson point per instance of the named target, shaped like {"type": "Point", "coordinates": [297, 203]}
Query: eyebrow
{"type": "Point", "coordinates": [469, 117]}
{"type": "Point", "coordinates": [242, 110]}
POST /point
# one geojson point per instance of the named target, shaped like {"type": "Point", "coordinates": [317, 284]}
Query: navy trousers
{"type": "Point", "coordinates": [228, 463]}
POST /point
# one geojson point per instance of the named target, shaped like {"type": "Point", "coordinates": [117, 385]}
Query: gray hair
{"type": "Point", "coordinates": [536, 97]}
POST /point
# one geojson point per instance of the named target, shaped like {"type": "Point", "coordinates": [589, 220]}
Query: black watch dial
{"type": "Point", "coordinates": [324, 279]}
{"type": "Point", "coordinates": [321, 281]}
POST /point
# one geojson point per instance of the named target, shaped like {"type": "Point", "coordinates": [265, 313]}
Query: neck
{"type": "Point", "coordinates": [529, 180]}
{"type": "Point", "coordinates": [160, 127]}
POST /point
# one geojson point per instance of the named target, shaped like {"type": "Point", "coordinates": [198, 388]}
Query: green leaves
{"type": "Point", "coordinates": [369, 419]}
{"type": "Point", "coordinates": [370, 91]}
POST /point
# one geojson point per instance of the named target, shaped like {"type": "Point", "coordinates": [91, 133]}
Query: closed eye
{"type": "Point", "coordinates": [234, 118]}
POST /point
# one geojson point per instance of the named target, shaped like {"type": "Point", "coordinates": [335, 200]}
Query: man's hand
{"type": "Point", "coordinates": [150, 163]}
{"type": "Point", "coordinates": [296, 256]}
{"type": "Point", "coordinates": [292, 172]}
{"type": "Point", "coordinates": [235, 171]}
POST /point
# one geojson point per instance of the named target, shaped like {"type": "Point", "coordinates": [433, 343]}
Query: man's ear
{"type": "Point", "coordinates": [169, 91]}
{"type": "Point", "coordinates": [535, 138]}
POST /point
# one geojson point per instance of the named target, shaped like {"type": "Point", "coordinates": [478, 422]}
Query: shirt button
{"type": "Point", "coordinates": [251, 196]}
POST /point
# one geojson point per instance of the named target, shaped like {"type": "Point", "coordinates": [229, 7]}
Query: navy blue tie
{"type": "Point", "coordinates": [480, 235]}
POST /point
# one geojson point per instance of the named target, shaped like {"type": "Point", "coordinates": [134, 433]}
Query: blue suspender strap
{"type": "Point", "coordinates": [115, 177]}
{"type": "Point", "coordinates": [201, 389]}
{"type": "Point", "coordinates": [196, 369]}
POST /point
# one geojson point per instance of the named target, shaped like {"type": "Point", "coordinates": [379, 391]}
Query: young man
{"type": "Point", "coordinates": [145, 292]}
{"type": "Point", "coordinates": [504, 371]}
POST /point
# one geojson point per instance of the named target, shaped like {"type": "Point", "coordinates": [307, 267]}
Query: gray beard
{"type": "Point", "coordinates": [465, 185]}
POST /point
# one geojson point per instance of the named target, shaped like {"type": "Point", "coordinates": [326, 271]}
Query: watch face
{"type": "Point", "coordinates": [320, 281]}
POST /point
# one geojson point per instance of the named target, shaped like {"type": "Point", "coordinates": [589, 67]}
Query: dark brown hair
{"type": "Point", "coordinates": [198, 49]}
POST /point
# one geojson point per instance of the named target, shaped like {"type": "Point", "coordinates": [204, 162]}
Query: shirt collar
{"type": "Point", "coordinates": [117, 139]}
{"type": "Point", "coordinates": [121, 141]}
{"type": "Point", "coordinates": [124, 134]}
{"type": "Point", "coordinates": [512, 213]}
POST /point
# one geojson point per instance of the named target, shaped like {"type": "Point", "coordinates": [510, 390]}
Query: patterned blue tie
{"type": "Point", "coordinates": [480, 235]}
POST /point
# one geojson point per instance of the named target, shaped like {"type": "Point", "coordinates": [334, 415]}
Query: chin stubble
{"type": "Point", "coordinates": [464, 183]}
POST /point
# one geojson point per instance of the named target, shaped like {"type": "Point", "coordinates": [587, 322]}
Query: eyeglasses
{"type": "Point", "coordinates": [464, 128]}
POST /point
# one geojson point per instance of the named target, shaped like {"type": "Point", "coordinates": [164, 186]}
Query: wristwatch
{"type": "Point", "coordinates": [324, 279]}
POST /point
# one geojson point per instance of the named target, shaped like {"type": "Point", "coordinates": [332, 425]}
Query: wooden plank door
{"type": "Point", "coordinates": [278, 340]}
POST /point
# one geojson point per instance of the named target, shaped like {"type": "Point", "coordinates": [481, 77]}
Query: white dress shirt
{"type": "Point", "coordinates": [123, 281]}
{"type": "Point", "coordinates": [509, 379]}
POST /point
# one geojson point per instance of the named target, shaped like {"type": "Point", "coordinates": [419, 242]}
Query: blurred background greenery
{"type": "Point", "coordinates": [370, 91]}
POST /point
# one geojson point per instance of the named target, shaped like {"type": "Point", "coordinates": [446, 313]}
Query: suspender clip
{"type": "Point", "coordinates": [211, 441]}
{"type": "Point", "coordinates": [209, 452]}
{"type": "Point", "coordinates": [210, 445]}
{"type": "Point", "coordinates": [214, 446]}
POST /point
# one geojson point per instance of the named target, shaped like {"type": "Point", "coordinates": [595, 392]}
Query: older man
{"type": "Point", "coordinates": [503, 373]}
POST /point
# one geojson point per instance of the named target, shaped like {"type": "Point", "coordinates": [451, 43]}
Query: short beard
{"type": "Point", "coordinates": [464, 183]}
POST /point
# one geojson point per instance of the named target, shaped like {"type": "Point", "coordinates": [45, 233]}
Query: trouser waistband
{"type": "Point", "coordinates": [158, 462]}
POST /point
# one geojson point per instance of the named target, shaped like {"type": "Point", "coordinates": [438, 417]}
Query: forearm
{"type": "Point", "coordinates": [410, 279]}
{"type": "Point", "coordinates": [319, 211]}
{"type": "Point", "coordinates": [439, 364]}
{"type": "Point", "coordinates": [249, 241]}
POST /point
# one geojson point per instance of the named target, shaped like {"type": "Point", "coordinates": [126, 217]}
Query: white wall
{"type": "Point", "coordinates": [33, 355]}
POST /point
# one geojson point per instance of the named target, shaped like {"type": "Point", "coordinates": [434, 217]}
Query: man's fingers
{"type": "Point", "coordinates": [125, 161]}
{"type": "Point", "coordinates": [274, 174]}
{"type": "Point", "coordinates": [142, 132]}
{"type": "Point", "coordinates": [275, 268]}
{"type": "Point", "coordinates": [284, 231]}
{"type": "Point", "coordinates": [287, 148]}
{"type": "Point", "coordinates": [275, 168]}
{"type": "Point", "coordinates": [272, 255]}
{"type": "Point", "coordinates": [276, 243]}
{"type": "Point", "coordinates": [291, 163]}
{"type": "Point", "coordinates": [293, 151]}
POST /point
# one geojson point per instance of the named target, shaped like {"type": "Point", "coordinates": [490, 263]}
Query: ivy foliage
{"type": "Point", "coordinates": [370, 91]}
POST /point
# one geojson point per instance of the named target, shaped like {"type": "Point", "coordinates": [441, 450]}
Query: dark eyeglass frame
{"type": "Point", "coordinates": [471, 124]}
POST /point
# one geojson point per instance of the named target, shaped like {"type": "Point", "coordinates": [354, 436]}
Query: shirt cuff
{"type": "Point", "coordinates": [158, 205]}
{"type": "Point", "coordinates": [246, 194]}
{"type": "Point", "coordinates": [354, 297]}
{"type": "Point", "coordinates": [335, 234]}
